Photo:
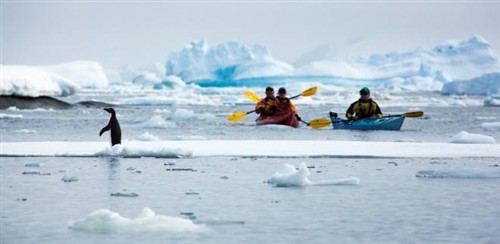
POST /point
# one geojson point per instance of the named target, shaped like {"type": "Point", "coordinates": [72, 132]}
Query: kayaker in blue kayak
{"type": "Point", "coordinates": [364, 108]}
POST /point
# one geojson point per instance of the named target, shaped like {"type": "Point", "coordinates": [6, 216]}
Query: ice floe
{"type": "Point", "coordinates": [25, 131]}
{"type": "Point", "coordinates": [105, 221]}
{"type": "Point", "coordinates": [491, 125]}
{"type": "Point", "coordinates": [290, 176]}
{"type": "Point", "coordinates": [465, 137]}
{"type": "Point", "coordinates": [249, 148]}
{"type": "Point", "coordinates": [135, 152]}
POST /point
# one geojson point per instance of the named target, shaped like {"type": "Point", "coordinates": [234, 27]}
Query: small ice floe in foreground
{"type": "Point", "coordinates": [33, 165]}
{"type": "Point", "coordinates": [491, 125]}
{"type": "Point", "coordinates": [69, 178]}
{"type": "Point", "coordinates": [34, 172]}
{"type": "Point", "coordinates": [465, 137]}
{"type": "Point", "coordinates": [459, 174]}
{"type": "Point", "coordinates": [290, 176]}
{"type": "Point", "coordinates": [119, 194]}
{"type": "Point", "coordinates": [105, 221]}
{"type": "Point", "coordinates": [143, 151]}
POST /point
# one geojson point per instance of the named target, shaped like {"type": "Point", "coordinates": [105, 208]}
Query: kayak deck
{"type": "Point", "coordinates": [383, 123]}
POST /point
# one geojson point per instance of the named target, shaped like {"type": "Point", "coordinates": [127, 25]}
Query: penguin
{"type": "Point", "coordinates": [114, 126]}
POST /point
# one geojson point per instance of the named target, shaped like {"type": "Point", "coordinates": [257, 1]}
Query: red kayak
{"type": "Point", "coordinates": [287, 118]}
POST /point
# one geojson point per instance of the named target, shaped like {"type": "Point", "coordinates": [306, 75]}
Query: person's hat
{"type": "Point", "coordinates": [364, 91]}
{"type": "Point", "coordinates": [282, 90]}
{"type": "Point", "coordinates": [269, 89]}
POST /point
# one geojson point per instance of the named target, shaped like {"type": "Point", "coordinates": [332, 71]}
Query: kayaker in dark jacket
{"type": "Point", "coordinates": [364, 108]}
{"type": "Point", "coordinates": [268, 105]}
{"type": "Point", "coordinates": [285, 105]}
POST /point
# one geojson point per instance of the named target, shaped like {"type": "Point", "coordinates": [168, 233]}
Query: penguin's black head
{"type": "Point", "coordinates": [110, 110]}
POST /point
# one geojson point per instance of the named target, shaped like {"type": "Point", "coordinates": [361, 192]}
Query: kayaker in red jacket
{"type": "Point", "coordinates": [364, 108]}
{"type": "Point", "coordinates": [285, 105]}
{"type": "Point", "coordinates": [268, 105]}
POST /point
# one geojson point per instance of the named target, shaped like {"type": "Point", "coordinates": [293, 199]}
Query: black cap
{"type": "Point", "coordinates": [269, 89]}
{"type": "Point", "coordinates": [282, 90]}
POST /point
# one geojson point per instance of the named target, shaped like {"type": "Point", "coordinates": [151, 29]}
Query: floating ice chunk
{"type": "Point", "coordinates": [492, 101]}
{"type": "Point", "coordinates": [290, 176]}
{"type": "Point", "coordinates": [31, 172]}
{"type": "Point", "coordinates": [10, 116]}
{"type": "Point", "coordinates": [69, 178]}
{"type": "Point", "coordinates": [156, 122]}
{"type": "Point", "coordinates": [135, 152]}
{"type": "Point", "coordinates": [119, 194]}
{"type": "Point", "coordinates": [146, 136]}
{"type": "Point", "coordinates": [491, 125]}
{"type": "Point", "coordinates": [469, 138]}
{"type": "Point", "coordinates": [460, 174]}
{"type": "Point", "coordinates": [104, 221]}
{"type": "Point", "coordinates": [26, 131]}
{"type": "Point", "coordinates": [34, 165]}
{"type": "Point", "coordinates": [13, 108]}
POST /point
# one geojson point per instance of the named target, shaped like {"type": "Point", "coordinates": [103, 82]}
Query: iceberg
{"type": "Point", "coordinates": [224, 62]}
{"type": "Point", "coordinates": [88, 74]}
{"type": "Point", "coordinates": [233, 64]}
{"type": "Point", "coordinates": [18, 80]}
{"type": "Point", "coordinates": [486, 84]}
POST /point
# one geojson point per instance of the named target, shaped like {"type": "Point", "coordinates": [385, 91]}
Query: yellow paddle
{"type": "Point", "coordinates": [307, 93]}
{"type": "Point", "coordinates": [254, 97]}
{"type": "Point", "coordinates": [235, 117]}
{"type": "Point", "coordinates": [320, 123]}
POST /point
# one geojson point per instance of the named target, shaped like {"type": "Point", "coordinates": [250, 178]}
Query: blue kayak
{"type": "Point", "coordinates": [383, 123]}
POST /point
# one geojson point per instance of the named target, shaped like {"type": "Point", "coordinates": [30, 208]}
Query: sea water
{"type": "Point", "coordinates": [231, 200]}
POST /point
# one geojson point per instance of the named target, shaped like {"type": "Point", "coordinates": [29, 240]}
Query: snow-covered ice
{"type": "Point", "coordinates": [257, 148]}
{"type": "Point", "coordinates": [465, 137]}
{"type": "Point", "coordinates": [10, 116]}
{"type": "Point", "coordinates": [486, 84]}
{"type": "Point", "coordinates": [88, 74]}
{"type": "Point", "coordinates": [155, 122]}
{"type": "Point", "coordinates": [31, 81]}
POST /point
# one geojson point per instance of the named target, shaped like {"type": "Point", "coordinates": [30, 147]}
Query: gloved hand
{"type": "Point", "coordinates": [260, 110]}
{"type": "Point", "coordinates": [273, 109]}
{"type": "Point", "coordinates": [298, 117]}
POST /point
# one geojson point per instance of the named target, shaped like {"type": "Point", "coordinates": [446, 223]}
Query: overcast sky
{"type": "Point", "coordinates": [140, 33]}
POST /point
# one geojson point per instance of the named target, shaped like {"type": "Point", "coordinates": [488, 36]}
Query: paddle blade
{"type": "Point", "coordinates": [415, 114]}
{"type": "Point", "coordinates": [236, 116]}
{"type": "Point", "coordinates": [254, 97]}
{"type": "Point", "coordinates": [309, 92]}
{"type": "Point", "coordinates": [319, 123]}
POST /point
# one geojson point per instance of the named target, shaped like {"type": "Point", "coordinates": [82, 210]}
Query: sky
{"type": "Point", "coordinates": [135, 33]}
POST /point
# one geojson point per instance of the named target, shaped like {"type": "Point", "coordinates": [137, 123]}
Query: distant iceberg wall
{"type": "Point", "coordinates": [237, 64]}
